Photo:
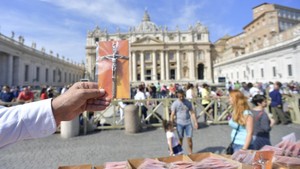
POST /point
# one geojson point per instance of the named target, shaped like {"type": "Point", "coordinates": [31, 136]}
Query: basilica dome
{"type": "Point", "coordinates": [146, 25]}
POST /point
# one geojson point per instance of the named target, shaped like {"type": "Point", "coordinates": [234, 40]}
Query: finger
{"type": "Point", "coordinates": [85, 85]}
{"type": "Point", "coordinates": [93, 107]}
{"type": "Point", "coordinates": [92, 93]}
{"type": "Point", "coordinates": [99, 99]}
{"type": "Point", "coordinates": [98, 102]}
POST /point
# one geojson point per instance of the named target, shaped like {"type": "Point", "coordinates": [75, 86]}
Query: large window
{"type": "Point", "coordinates": [262, 72]}
{"type": "Point", "coordinates": [26, 76]}
{"type": "Point", "coordinates": [157, 57]}
{"type": "Point", "coordinates": [290, 71]}
{"type": "Point", "coordinates": [138, 77]}
{"type": "Point", "coordinates": [172, 74]}
{"type": "Point", "coordinates": [59, 75]}
{"type": "Point", "coordinates": [54, 75]}
{"type": "Point", "coordinates": [199, 36]}
{"type": "Point", "coordinates": [147, 56]}
{"type": "Point", "coordinates": [37, 76]}
{"type": "Point", "coordinates": [171, 56]}
{"type": "Point", "coordinates": [200, 55]}
{"type": "Point", "coordinates": [252, 73]}
{"type": "Point", "coordinates": [274, 71]}
{"type": "Point", "coordinates": [148, 74]}
{"type": "Point", "coordinates": [46, 75]}
{"type": "Point", "coordinates": [65, 77]}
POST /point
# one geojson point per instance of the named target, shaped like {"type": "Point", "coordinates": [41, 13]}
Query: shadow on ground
{"type": "Point", "coordinates": [216, 150]}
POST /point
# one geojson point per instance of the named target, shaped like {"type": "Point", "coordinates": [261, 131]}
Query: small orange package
{"type": "Point", "coordinates": [113, 68]}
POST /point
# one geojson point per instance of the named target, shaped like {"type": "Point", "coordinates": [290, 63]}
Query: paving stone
{"type": "Point", "coordinates": [114, 145]}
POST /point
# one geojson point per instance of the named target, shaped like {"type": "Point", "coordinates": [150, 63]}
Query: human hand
{"type": "Point", "coordinates": [196, 125]}
{"type": "Point", "coordinates": [272, 122]}
{"type": "Point", "coordinates": [82, 96]}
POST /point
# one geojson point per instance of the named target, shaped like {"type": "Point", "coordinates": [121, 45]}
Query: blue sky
{"type": "Point", "coordinates": [62, 25]}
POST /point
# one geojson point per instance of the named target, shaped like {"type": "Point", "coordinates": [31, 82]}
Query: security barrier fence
{"type": "Point", "coordinates": [160, 109]}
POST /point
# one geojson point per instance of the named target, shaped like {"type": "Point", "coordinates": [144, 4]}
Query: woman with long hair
{"type": "Point", "coordinates": [241, 121]}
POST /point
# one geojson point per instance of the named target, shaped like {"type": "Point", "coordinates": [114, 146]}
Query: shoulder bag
{"type": "Point", "coordinates": [229, 149]}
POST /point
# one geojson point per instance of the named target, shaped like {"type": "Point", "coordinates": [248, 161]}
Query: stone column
{"type": "Point", "coordinates": [192, 65]}
{"type": "Point", "coordinates": [154, 72]}
{"type": "Point", "coordinates": [130, 66]}
{"type": "Point", "coordinates": [134, 72]}
{"type": "Point", "coordinates": [162, 66]}
{"type": "Point", "coordinates": [208, 75]}
{"type": "Point", "coordinates": [178, 66]}
{"type": "Point", "coordinates": [167, 66]}
{"type": "Point", "coordinates": [10, 69]}
{"type": "Point", "coordinates": [142, 66]}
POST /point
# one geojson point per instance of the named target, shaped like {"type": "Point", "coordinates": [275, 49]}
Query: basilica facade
{"type": "Point", "coordinates": [158, 54]}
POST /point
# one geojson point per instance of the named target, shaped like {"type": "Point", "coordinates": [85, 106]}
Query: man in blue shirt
{"type": "Point", "coordinates": [6, 95]}
{"type": "Point", "coordinates": [276, 105]}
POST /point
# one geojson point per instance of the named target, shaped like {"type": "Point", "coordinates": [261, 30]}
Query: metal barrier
{"type": "Point", "coordinates": [294, 107]}
{"type": "Point", "coordinates": [161, 109]}
{"type": "Point", "coordinates": [158, 109]}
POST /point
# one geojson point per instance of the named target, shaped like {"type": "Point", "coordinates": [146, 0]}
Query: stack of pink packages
{"type": "Point", "coordinates": [117, 165]}
{"type": "Point", "coordinates": [287, 151]}
{"type": "Point", "coordinates": [210, 162]}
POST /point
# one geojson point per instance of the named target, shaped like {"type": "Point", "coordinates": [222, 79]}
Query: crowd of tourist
{"type": "Point", "coordinates": [250, 122]}
{"type": "Point", "coordinates": [26, 94]}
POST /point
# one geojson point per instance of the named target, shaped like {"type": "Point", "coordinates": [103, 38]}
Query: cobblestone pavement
{"type": "Point", "coordinates": [114, 145]}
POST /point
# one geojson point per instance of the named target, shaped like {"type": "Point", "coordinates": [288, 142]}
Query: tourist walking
{"type": "Point", "coordinates": [140, 95]}
{"type": "Point", "coordinates": [276, 105]}
{"type": "Point", "coordinates": [183, 110]}
{"type": "Point", "coordinates": [241, 121]}
{"type": "Point", "coordinates": [206, 98]}
{"type": "Point", "coordinates": [173, 144]}
{"type": "Point", "coordinates": [262, 123]}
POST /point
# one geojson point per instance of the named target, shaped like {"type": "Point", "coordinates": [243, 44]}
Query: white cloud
{"type": "Point", "coordinates": [218, 30]}
{"type": "Point", "coordinates": [188, 14]}
{"type": "Point", "coordinates": [111, 11]}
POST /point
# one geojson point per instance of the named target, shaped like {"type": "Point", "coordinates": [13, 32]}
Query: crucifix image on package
{"type": "Point", "coordinates": [113, 68]}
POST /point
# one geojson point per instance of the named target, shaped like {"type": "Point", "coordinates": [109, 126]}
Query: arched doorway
{"type": "Point", "coordinates": [200, 71]}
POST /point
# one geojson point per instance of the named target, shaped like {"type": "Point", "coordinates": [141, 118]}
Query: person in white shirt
{"type": "Point", "coordinates": [40, 119]}
{"type": "Point", "coordinates": [254, 90]}
{"type": "Point", "coordinates": [140, 95]}
{"type": "Point", "coordinates": [173, 144]}
{"type": "Point", "coordinates": [190, 92]}
{"type": "Point", "coordinates": [122, 105]}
